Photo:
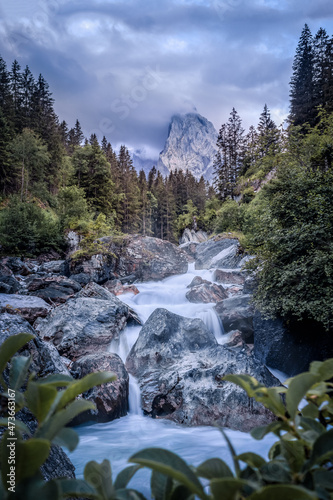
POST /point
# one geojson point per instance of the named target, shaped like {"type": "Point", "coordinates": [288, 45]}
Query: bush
{"type": "Point", "coordinates": [28, 229]}
{"type": "Point", "coordinates": [229, 217]}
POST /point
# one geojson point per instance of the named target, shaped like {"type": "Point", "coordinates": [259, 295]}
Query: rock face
{"type": "Point", "coordinates": [191, 236]}
{"type": "Point", "coordinates": [30, 308]}
{"type": "Point", "coordinates": [140, 258]}
{"type": "Point", "coordinates": [191, 144]}
{"type": "Point", "coordinates": [117, 288]}
{"type": "Point", "coordinates": [180, 367]}
{"type": "Point", "coordinates": [234, 277]}
{"type": "Point", "coordinates": [217, 252]}
{"type": "Point", "coordinates": [204, 291]}
{"type": "Point", "coordinates": [281, 347]}
{"type": "Point", "coordinates": [111, 399]}
{"type": "Point", "coordinates": [236, 313]}
{"type": "Point", "coordinates": [83, 325]}
{"type": "Point", "coordinates": [53, 289]}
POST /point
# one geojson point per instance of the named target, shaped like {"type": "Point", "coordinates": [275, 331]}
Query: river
{"type": "Point", "coordinates": [119, 439]}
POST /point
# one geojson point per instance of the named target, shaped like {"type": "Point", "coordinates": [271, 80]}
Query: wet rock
{"type": "Point", "coordinates": [117, 288]}
{"type": "Point", "coordinates": [142, 257]}
{"type": "Point", "coordinates": [180, 367]}
{"type": "Point", "coordinates": [45, 357]}
{"type": "Point", "coordinates": [191, 236]}
{"type": "Point", "coordinates": [30, 308]}
{"type": "Point", "coordinates": [111, 399]}
{"type": "Point", "coordinates": [53, 289]}
{"type": "Point", "coordinates": [9, 284]}
{"type": "Point", "coordinates": [16, 265]}
{"type": "Point", "coordinates": [237, 341]}
{"type": "Point", "coordinates": [289, 348]}
{"type": "Point", "coordinates": [236, 313]}
{"type": "Point", "coordinates": [55, 267]}
{"type": "Point", "coordinates": [83, 325]}
{"type": "Point", "coordinates": [229, 277]}
{"type": "Point", "coordinates": [218, 252]}
{"type": "Point", "coordinates": [204, 291]}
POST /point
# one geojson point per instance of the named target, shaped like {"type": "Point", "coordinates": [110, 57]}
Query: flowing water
{"type": "Point", "coordinates": [119, 439]}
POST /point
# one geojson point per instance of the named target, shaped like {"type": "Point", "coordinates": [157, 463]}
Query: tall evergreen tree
{"type": "Point", "coordinates": [268, 134]}
{"type": "Point", "coordinates": [302, 82]}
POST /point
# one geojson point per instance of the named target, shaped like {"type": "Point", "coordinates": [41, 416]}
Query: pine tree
{"type": "Point", "coordinates": [5, 89]}
{"type": "Point", "coordinates": [302, 82]}
{"type": "Point", "coordinates": [16, 91]}
{"type": "Point", "coordinates": [28, 87]}
{"type": "Point", "coordinates": [268, 134]}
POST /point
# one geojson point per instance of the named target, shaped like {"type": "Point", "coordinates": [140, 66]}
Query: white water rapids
{"type": "Point", "coordinates": [119, 439]}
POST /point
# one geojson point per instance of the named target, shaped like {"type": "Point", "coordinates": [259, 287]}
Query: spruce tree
{"type": "Point", "coordinates": [302, 82]}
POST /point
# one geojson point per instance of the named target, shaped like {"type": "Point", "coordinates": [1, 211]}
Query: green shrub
{"type": "Point", "coordinates": [229, 217]}
{"type": "Point", "coordinates": [299, 466]}
{"type": "Point", "coordinates": [28, 229]}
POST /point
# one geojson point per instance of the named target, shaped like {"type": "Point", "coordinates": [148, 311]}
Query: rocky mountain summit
{"type": "Point", "coordinates": [191, 144]}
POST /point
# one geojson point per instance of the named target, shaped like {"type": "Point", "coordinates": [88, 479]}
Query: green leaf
{"type": "Point", "coordinates": [76, 488]}
{"type": "Point", "coordinates": [252, 459]}
{"type": "Point", "coordinates": [294, 453]}
{"type": "Point", "coordinates": [182, 493]}
{"type": "Point", "coordinates": [129, 495]}
{"type": "Point", "coordinates": [261, 431]}
{"type": "Point", "coordinates": [67, 437]}
{"type": "Point", "coordinates": [228, 488]}
{"type": "Point", "coordinates": [57, 380]}
{"type": "Point", "coordinates": [246, 382]}
{"type": "Point", "coordinates": [10, 346]}
{"type": "Point", "coordinates": [84, 384]}
{"type": "Point", "coordinates": [232, 452]}
{"type": "Point", "coordinates": [275, 472]}
{"type": "Point", "coordinates": [30, 455]}
{"type": "Point", "coordinates": [297, 390]}
{"type": "Point", "coordinates": [285, 492]}
{"type": "Point", "coordinates": [39, 399]}
{"type": "Point", "coordinates": [310, 411]}
{"type": "Point", "coordinates": [100, 477]}
{"type": "Point", "coordinates": [170, 464]}
{"type": "Point", "coordinates": [20, 426]}
{"type": "Point", "coordinates": [18, 371]}
{"type": "Point", "coordinates": [53, 425]}
{"type": "Point", "coordinates": [125, 476]}
{"type": "Point", "coordinates": [214, 468]}
{"type": "Point", "coordinates": [161, 485]}
{"type": "Point", "coordinates": [324, 369]}
{"type": "Point", "coordinates": [322, 448]}
{"type": "Point", "coordinates": [324, 478]}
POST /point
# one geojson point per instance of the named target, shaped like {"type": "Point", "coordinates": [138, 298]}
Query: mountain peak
{"type": "Point", "coordinates": [191, 144]}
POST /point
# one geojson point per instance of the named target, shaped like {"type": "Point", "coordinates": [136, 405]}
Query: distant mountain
{"type": "Point", "coordinates": [142, 163]}
{"type": "Point", "coordinates": [191, 144]}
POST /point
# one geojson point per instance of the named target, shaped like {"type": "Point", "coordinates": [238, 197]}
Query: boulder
{"type": "Point", "coordinates": [180, 366]}
{"type": "Point", "coordinates": [45, 357]}
{"type": "Point", "coordinates": [83, 325]}
{"type": "Point", "coordinates": [55, 267]}
{"type": "Point", "coordinates": [9, 284]}
{"type": "Point", "coordinates": [117, 288]}
{"type": "Point", "coordinates": [229, 277]}
{"type": "Point", "coordinates": [30, 308]}
{"type": "Point", "coordinates": [219, 253]}
{"type": "Point", "coordinates": [236, 313]}
{"type": "Point", "coordinates": [53, 289]}
{"type": "Point", "coordinates": [289, 348]}
{"type": "Point", "coordinates": [204, 291]}
{"type": "Point", "coordinates": [16, 265]}
{"type": "Point", "coordinates": [191, 236]}
{"type": "Point", "coordinates": [111, 399]}
{"type": "Point", "coordinates": [134, 257]}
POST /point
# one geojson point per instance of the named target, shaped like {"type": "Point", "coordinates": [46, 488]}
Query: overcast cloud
{"type": "Point", "coordinates": [123, 68]}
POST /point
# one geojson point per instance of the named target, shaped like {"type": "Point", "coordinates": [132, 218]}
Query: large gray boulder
{"type": "Point", "coordinates": [219, 253]}
{"type": "Point", "coordinates": [30, 308]}
{"type": "Point", "coordinates": [111, 399]}
{"type": "Point", "coordinates": [83, 325]}
{"type": "Point", "coordinates": [287, 348]}
{"type": "Point", "coordinates": [45, 357]}
{"type": "Point", "coordinates": [236, 313]}
{"type": "Point", "coordinates": [138, 258]}
{"type": "Point", "coordinates": [180, 366]}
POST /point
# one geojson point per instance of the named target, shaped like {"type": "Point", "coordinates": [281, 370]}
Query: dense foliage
{"type": "Point", "coordinates": [299, 464]}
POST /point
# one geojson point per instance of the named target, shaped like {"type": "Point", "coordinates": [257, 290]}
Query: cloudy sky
{"type": "Point", "coordinates": [124, 67]}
